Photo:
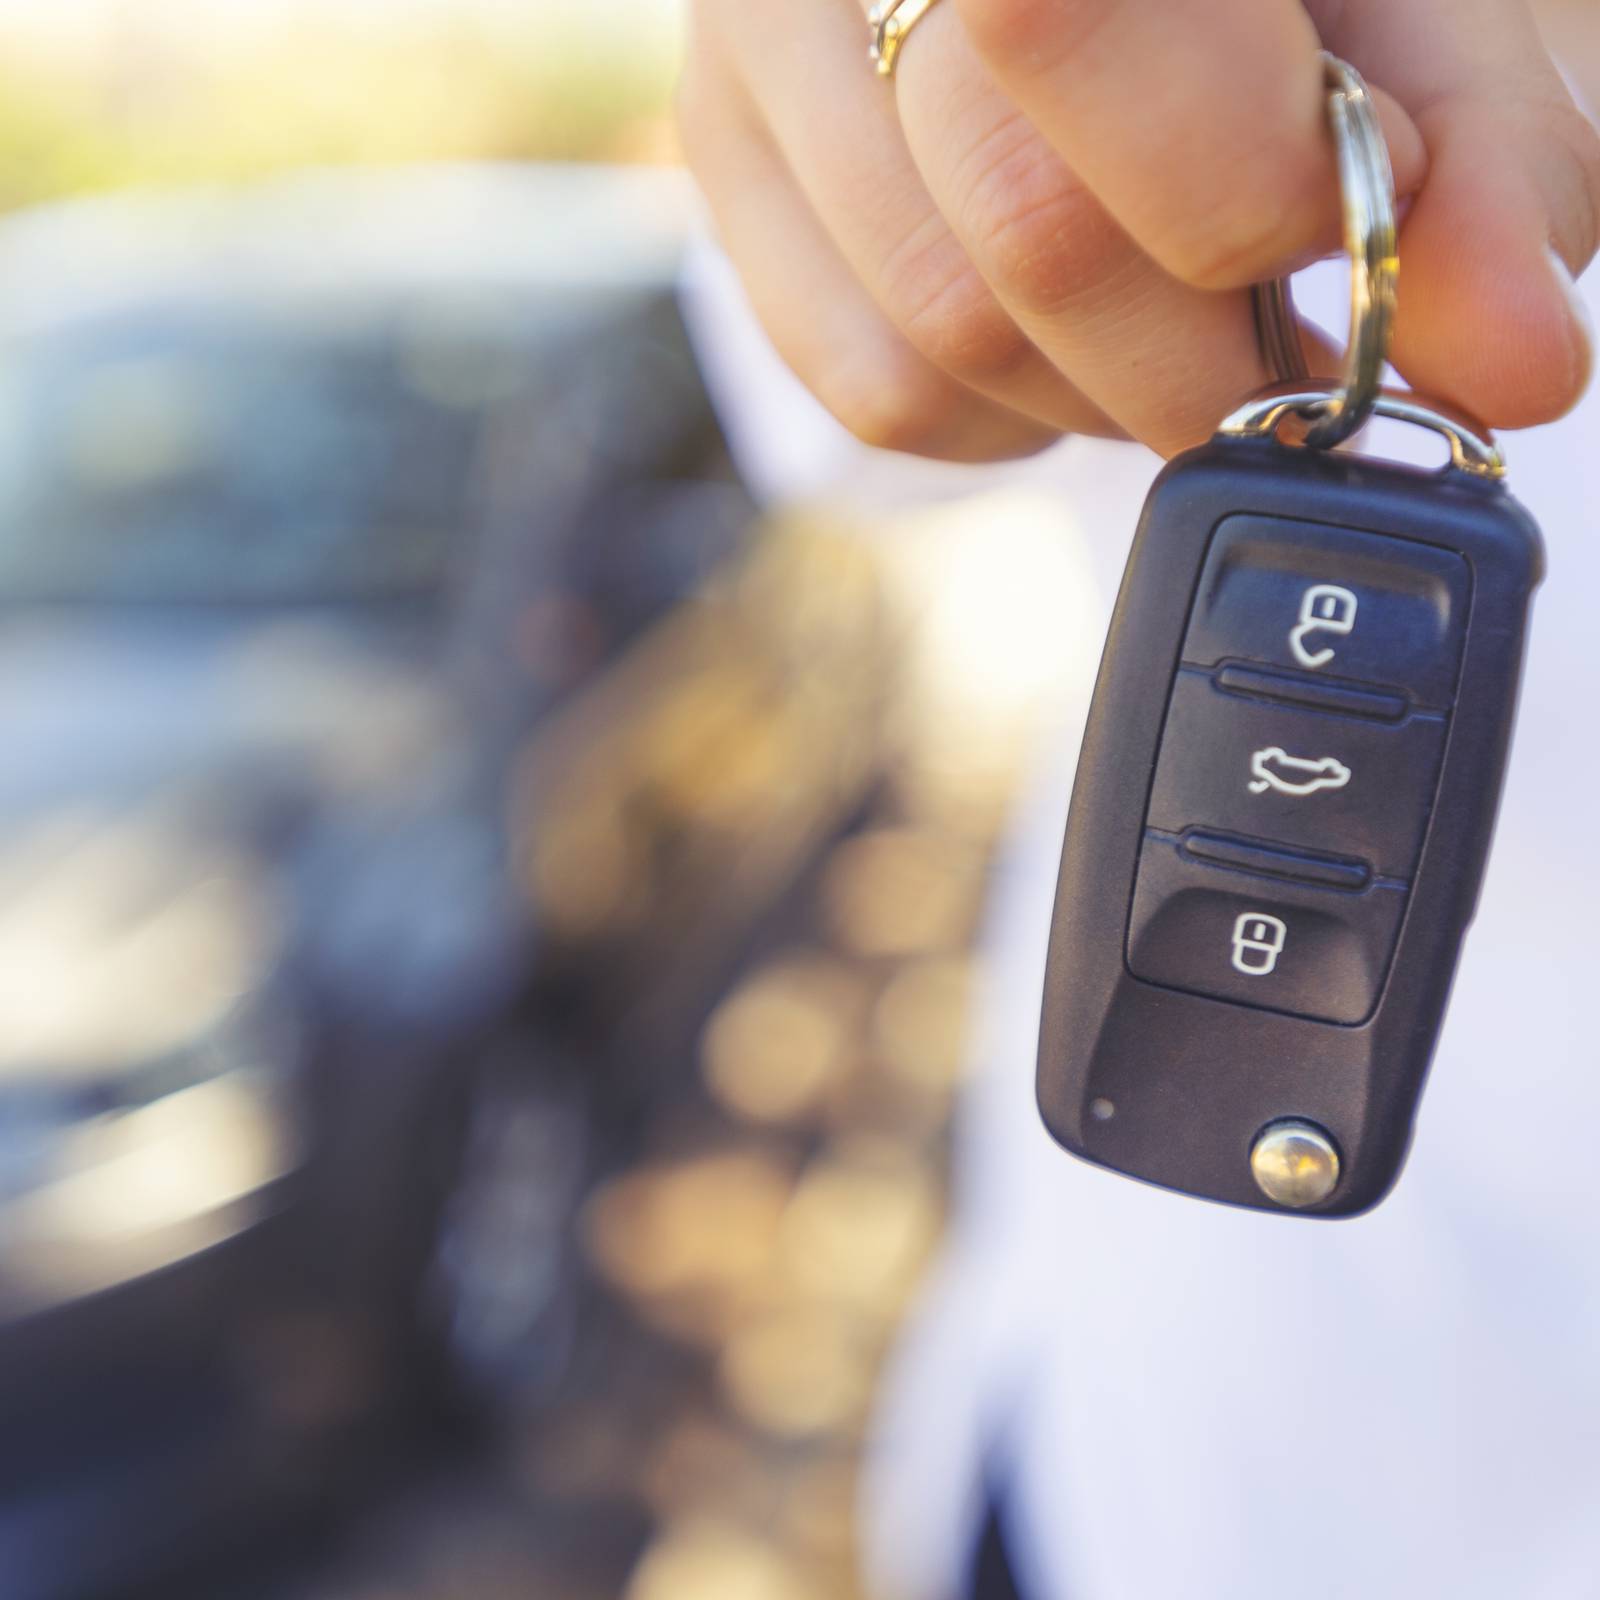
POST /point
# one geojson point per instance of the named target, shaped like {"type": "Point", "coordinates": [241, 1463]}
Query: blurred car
{"type": "Point", "coordinates": [401, 742]}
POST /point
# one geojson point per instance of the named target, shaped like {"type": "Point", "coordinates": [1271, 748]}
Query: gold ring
{"type": "Point", "coordinates": [891, 21]}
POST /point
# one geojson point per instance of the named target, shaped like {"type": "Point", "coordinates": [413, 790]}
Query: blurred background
{"type": "Point", "coordinates": [487, 906]}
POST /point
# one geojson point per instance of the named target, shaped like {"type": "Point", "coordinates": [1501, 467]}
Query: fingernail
{"type": "Point", "coordinates": [1578, 312]}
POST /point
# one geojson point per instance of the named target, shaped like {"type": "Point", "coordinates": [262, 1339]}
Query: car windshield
{"type": "Point", "coordinates": [270, 459]}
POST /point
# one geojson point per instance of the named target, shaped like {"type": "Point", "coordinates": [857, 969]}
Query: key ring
{"type": "Point", "coordinates": [1371, 238]}
{"type": "Point", "coordinates": [1334, 411]}
{"type": "Point", "coordinates": [1472, 448]}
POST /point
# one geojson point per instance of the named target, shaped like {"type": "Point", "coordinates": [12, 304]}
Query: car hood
{"type": "Point", "coordinates": [333, 765]}
{"type": "Point", "coordinates": [111, 711]}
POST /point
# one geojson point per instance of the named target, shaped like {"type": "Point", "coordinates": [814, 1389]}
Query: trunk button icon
{"type": "Point", "coordinates": [1275, 768]}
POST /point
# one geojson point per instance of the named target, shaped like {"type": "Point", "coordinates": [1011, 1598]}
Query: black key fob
{"type": "Point", "coordinates": [1282, 812]}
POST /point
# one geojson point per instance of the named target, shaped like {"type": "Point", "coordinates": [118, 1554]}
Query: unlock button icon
{"type": "Point", "coordinates": [1325, 608]}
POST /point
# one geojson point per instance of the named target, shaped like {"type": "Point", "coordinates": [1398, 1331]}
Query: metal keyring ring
{"type": "Point", "coordinates": [1371, 238]}
{"type": "Point", "coordinates": [1472, 447]}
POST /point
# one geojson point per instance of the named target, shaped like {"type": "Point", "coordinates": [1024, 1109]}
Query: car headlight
{"type": "Point", "coordinates": [188, 1157]}
{"type": "Point", "coordinates": [126, 1147]}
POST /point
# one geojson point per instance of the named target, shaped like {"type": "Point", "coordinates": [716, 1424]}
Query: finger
{"type": "Point", "coordinates": [819, 317]}
{"type": "Point", "coordinates": [1201, 127]}
{"type": "Point", "coordinates": [1163, 359]}
{"type": "Point", "coordinates": [1487, 318]}
{"type": "Point", "coordinates": [853, 167]}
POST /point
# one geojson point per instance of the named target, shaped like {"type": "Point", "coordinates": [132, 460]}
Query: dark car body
{"type": "Point", "coordinates": [321, 508]}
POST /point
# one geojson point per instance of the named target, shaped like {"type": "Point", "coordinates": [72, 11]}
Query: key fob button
{"type": "Point", "coordinates": [1311, 951]}
{"type": "Point", "coordinates": [1276, 771]}
{"type": "Point", "coordinates": [1331, 601]}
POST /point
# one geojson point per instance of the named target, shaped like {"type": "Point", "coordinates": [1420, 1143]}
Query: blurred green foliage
{"type": "Point", "coordinates": [176, 107]}
{"type": "Point", "coordinates": [45, 147]}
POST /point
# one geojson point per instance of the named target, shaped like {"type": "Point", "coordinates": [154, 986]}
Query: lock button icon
{"type": "Point", "coordinates": [1258, 941]}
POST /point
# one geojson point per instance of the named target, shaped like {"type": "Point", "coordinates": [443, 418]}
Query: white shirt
{"type": "Point", "coordinates": [1184, 1400]}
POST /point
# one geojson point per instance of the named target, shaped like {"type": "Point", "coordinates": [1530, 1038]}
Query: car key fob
{"type": "Point", "coordinates": [1281, 817]}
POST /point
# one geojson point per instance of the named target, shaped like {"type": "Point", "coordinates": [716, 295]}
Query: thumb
{"type": "Point", "coordinates": [1507, 218]}
{"type": "Point", "coordinates": [1489, 315]}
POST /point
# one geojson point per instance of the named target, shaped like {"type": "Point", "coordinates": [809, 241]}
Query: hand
{"type": "Point", "coordinates": [1047, 221]}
